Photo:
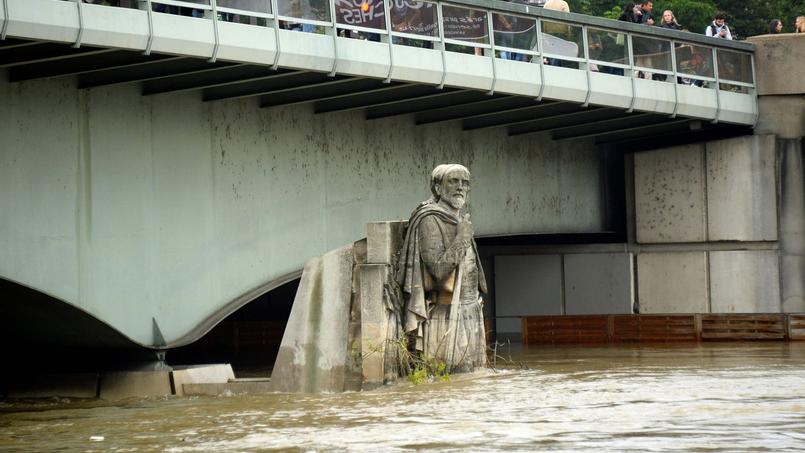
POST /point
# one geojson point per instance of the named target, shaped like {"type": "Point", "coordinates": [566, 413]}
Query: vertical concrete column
{"type": "Point", "coordinates": [781, 108]}
{"type": "Point", "coordinates": [383, 243]}
{"type": "Point", "coordinates": [374, 323]}
{"type": "Point", "coordinates": [792, 224]}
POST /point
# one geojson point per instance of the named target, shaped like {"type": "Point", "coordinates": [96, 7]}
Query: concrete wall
{"type": "Point", "coordinates": [166, 208]}
{"type": "Point", "coordinates": [560, 284]}
{"type": "Point", "coordinates": [706, 220]}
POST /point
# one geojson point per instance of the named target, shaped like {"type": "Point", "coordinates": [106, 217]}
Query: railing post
{"type": "Point", "coordinates": [754, 88]}
{"type": "Point", "coordinates": [541, 60]}
{"type": "Point", "coordinates": [334, 31]}
{"type": "Point", "coordinates": [490, 28]}
{"type": "Point", "coordinates": [80, 7]}
{"type": "Point", "coordinates": [632, 74]}
{"type": "Point", "coordinates": [389, 6]}
{"type": "Point", "coordinates": [275, 10]}
{"type": "Point", "coordinates": [214, 6]}
{"type": "Point", "coordinates": [440, 26]}
{"type": "Point", "coordinates": [675, 80]}
{"type": "Point", "coordinates": [150, 14]}
{"type": "Point", "coordinates": [587, 65]}
{"type": "Point", "coordinates": [714, 52]}
{"type": "Point", "coordinates": [4, 30]}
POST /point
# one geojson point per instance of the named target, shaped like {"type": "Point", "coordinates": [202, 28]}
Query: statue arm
{"type": "Point", "coordinates": [440, 259]}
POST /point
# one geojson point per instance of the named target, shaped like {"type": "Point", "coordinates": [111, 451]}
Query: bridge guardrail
{"type": "Point", "coordinates": [495, 30]}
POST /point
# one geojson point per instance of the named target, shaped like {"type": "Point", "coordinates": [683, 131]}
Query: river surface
{"type": "Point", "coordinates": [710, 397]}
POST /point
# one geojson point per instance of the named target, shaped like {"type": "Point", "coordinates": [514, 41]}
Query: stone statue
{"type": "Point", "coordinates": [441, 277]}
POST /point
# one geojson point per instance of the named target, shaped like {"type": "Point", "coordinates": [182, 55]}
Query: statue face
{"type": "Point", "coordinates": [454, 189]}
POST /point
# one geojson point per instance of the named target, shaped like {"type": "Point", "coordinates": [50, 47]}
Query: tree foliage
{"type": "Point", "coordinates": [745, 17]}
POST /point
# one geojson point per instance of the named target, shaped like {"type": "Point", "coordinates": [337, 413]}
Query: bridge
{"type": "Point", "coordinates": [165, 162]}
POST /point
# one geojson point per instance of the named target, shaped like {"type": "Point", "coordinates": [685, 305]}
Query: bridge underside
{"type": "Point", "coordinates": [92, 67]}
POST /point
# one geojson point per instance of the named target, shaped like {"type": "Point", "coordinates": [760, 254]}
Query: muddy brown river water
{"type": "Point", "coordinates": [709, 397]}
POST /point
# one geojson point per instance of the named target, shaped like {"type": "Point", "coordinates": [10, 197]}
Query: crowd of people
{"type": "Point", "coordinates": [641, 13]}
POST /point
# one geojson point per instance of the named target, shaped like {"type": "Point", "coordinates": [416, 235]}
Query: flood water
{"type": "Point", "coordinates": [710, 397]}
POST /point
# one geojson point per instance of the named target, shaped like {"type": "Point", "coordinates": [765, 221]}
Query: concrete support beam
{"type": "Point", "coordinates": [672, 282]}
{"type": "Point", "coordinates": [745, 282]}
{"type": "Point", "coordinates": [741, 189]}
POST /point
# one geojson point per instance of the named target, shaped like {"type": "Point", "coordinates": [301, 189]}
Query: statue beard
{"type": "Point", "coordinates": [457, 201]}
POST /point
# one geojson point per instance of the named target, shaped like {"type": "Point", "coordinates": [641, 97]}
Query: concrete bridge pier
{"type": "Point", "coordinates": [782, 113]}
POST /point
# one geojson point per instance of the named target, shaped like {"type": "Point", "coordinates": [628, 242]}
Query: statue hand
{"type": "Point", "coordinates": [465, 231]}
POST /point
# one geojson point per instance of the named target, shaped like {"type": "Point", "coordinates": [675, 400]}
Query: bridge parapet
{"type": "Point", "coordinates": [498, 47]}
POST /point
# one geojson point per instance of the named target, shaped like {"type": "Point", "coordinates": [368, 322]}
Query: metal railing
{"type": "Point", "coordinates": [490, 29]}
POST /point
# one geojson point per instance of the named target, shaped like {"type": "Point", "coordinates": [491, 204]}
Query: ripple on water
{"type": "Point", "coordinates": [691, 398]}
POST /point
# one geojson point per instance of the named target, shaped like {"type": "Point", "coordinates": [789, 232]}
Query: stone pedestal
{"type": "Point", "coordinates": [201, 374]}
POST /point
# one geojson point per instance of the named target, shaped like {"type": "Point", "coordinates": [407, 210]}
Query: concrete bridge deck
{"type": "Point", "coordinates": [605, 76]}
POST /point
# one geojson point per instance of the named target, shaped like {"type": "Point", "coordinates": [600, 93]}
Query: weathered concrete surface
{"type": "Point", "coordinates": [669, 195]}
{"type": "Point", "coordinates": [672, 282]}
{"type": "Point", "coordinates": [65, 385]}
{"type": "Point", "coordinates": [744, 282]}
{"type": "Point", "coordinates": [782, 115]}
{"type": "Point", "coordinates": [383, 241]}
{"type": "Point", "coordinates": [598, 283]}
{"type": "Point", "coordinates": [117, 385]}
{"type": "Point", "coordinates": [374, 323]}
{"type": "Point", "coordinates": [164, 207]}
{"type": "Point", "coordinates": [526, 285]}
{"type": "Point", "coordinates": [778, 64]}
{"type": "Point", "coordinates": [742, 189]}
{"type": "Point", "coordinates": [791, 158]}
{"type": "Point", "coordinates": [200, 374]}
{"type": "Point", "coordinates": [314, 349]}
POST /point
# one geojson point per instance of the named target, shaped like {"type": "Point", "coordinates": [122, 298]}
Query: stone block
{"type": "Point", "coordinates": [598, 283]}
{"type": "Point", "coordinates": [116, 385]}
{"type": "Point", "coordinates": [313, 354]}
{"type": "Point", "coordinates": [778, 60]}
{"type": "Point", "coordinates": [66, 385]}
{"type": "Point", "coordinates": [374, 322]}
{"type": "Point", "coordinates": [672, 282]}
{"type": "Point", "coordinates": [745, 282]}
{"type": "Point", "coordinates": [383, 240]}
{"type": "Point", "coordinates": [782, 115]}
{"type": "Point", "coordinates": [526, 285]}
{"type": "Point", "coordinates": [200, 374]}
{"type": "Point", "coordinates": [669, 195]}
{"type": "Point", "coordinates": [741, 189]}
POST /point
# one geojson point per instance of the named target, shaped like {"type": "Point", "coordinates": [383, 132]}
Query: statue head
{"type": "Point", "coordinates": [450, 185]}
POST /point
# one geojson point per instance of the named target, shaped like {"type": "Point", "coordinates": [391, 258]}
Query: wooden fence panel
{"type": "Point", "coordinates": [654, 328]}
{"type": "Point", "coordinates": [726, 327]}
